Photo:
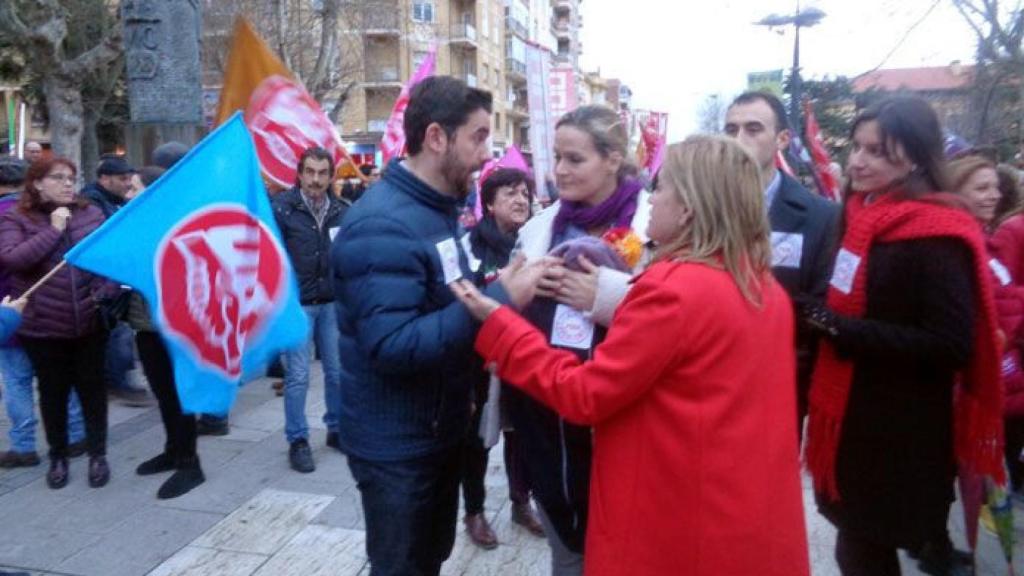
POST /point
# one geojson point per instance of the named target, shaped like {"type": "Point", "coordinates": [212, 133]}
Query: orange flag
{"type": "Point", "coordinates": [250, 62]}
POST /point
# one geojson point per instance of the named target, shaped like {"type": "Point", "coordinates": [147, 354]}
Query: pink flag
{"type": "Point", "coordinates": [392, 145]}
{"type": "Point", "coordinates": [513, 159]}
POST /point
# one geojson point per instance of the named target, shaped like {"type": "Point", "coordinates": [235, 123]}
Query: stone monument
{"type": "Point", "coordinates": [163, 70]}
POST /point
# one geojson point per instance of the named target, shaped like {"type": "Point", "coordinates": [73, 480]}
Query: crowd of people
{"type": "Point", "coordinates": [657, 350]}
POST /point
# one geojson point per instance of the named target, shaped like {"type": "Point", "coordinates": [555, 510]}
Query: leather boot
{"type": "Point", "coordinates": [480, 531]}
{"type": "Point", "coordinates": [57, 476]}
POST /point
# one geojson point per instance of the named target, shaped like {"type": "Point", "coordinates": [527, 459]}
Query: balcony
{"type": "Point", "coordinates": [382, 24]}
{"type": "Point", "coordinates": [518, 111]}
{"type": "Point", "coordinates": [561, 27]}
{"type": "Point", "coordinates": [515, 70]}
{"type": "Point", "coordinates": [464, 36]}
{"type": "Point", "coordinates": [563, 6]}
{"type": "Point", "coordinates": [382, 78]}
{"type": "Point", "coordinates": [517, 28]}
{"type": "Point", "coordinates": [377, 125]}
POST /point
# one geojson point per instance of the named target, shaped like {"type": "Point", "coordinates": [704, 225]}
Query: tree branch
{"type": "Point", "coordinates": [96, 57]}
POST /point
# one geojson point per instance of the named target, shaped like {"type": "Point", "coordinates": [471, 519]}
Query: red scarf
{"type": "Point", "coordinates": [978, 422]}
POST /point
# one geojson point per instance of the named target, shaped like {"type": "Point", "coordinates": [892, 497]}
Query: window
{"type": "Point", "coordinates": [497, 122]}
{"type": "Point", "coordinates": [487, 74]}
{"type": "Point", "coordinates": [423, 11]}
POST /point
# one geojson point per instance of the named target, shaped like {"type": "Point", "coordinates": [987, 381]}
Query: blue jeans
{"type": "Point", "coordinates": [17, 374]}
{"type": "Point", "coordinates": [120, 357]}
{"type": "Point", "coordinates": [410, 508]}
{"type": "Point", "coordinates": [323, 321]}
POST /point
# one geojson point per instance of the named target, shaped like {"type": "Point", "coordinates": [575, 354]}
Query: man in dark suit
{"type": "Point", "coordinates": [804, 225]}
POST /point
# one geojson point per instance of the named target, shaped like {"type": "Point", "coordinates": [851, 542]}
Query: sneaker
{"type": "Point", "coordinates": [132, 397]}
{"type": "Point", "coordinates": [14, 459]}
{"type": "Point", "coordinates": [76, 449]}
{"type": "Point", "coordinates": [162, 462]}
{"type": "Point", "coordinates": [187, 476]}
{"type": "Point", "coordinates": [57, 476]}
{"type": "Point", "coordinates": [99, 471]}
{"type": "Point", "coordinates": [524, 515]}
{"type": "Point", "coordinates": [206, 427]}
{"type": "Point", "coordinates": [301, 457]}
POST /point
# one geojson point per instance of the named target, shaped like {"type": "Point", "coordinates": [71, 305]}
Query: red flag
{"type": "Point", "coordinates": [781, 164]}
{"type": "Point", "coordinates": [392, 145]}
{"type": "Point", "coordinates": [819, 155]}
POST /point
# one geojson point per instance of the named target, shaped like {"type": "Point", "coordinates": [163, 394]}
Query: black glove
{"type": "Point", "coordinates": [816, 316]}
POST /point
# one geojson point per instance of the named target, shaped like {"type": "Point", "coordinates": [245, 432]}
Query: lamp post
{"type": "Point", "coordinates": [800, 19]}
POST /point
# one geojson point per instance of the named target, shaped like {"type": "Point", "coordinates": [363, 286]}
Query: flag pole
{"type": "Point", "coordinates": [43, 280]}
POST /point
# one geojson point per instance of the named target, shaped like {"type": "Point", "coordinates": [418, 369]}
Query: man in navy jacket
{"type": "Point", "coordinates": [406, 343]}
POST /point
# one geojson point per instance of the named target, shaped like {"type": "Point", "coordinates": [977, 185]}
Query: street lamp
{"type": "Point", "coordinates": [801, 19]}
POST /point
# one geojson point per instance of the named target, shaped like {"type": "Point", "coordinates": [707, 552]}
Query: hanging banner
{"type": "Point", "coordinates": [562, 83]}
{"type": "Point", "coordinates": [542, 120]}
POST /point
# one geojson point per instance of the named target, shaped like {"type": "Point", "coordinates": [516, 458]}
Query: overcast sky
{"type": "Point", "coordinates": [673, 53]}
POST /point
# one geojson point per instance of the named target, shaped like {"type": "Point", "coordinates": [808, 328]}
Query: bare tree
{"type": "Point", "coordinates": [41, 28]}
{"type": "Point", "coordinates": [306, 35]}
{"type": "Point", "coordinates": [998, 101]}
{"type": "Point", "coordinates": [711, 114]}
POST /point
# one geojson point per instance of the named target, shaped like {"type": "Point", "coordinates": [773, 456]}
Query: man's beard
{"type": "Point", "coordinates": [456, 174]}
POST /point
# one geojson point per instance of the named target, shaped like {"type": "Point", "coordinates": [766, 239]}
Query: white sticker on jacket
{"type": "Point", "coordinates": [787, 249]}
{"type": "Point", "coordinates": [846, 269]}
{"type": "Point", "coordinates": [333, 232]}
{"type": "Point", "coordinates": [1001, 272]}
{"type": "Point", "coordinates": [467, 249]}
{"type": "Point", "coordinates": [449, 254]}
{"type": "Point", "coordinates": [571, 329]}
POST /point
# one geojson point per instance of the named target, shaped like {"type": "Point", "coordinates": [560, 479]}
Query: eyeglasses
{"type": "Point", "coordinates": [68, 178]}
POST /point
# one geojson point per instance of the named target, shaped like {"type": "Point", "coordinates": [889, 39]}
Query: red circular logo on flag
{"type": "Point", "coordinates": [220, 277]}
{"type": "Point", "coordinates": [284, 121]}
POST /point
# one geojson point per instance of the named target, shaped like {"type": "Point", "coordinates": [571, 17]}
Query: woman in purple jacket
{"type": "Point", "coordinates": [61, 329]}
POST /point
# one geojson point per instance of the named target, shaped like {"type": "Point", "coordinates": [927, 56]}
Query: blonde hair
{"type": "Point", "coordinates": [961, 170]}
{"type": "Point", "coordinates": [606, 130]}
{"type": "Point", "coordinates": [721, 183]}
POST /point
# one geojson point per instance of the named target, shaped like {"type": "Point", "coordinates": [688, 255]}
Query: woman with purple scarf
{"type": "Point", "coordinates": [599, 202]}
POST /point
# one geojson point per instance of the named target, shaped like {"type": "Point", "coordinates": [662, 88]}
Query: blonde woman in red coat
{"type": "Point", "coordinates": [695, 469]}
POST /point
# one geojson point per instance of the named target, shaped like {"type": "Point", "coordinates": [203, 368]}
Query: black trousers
{"type": "Point", "coordinates": [179, 427]}
{"type": "Point", "coordinates": [60, 365]}
{"type": "Point", "coordinates": [1014, 428]}
{"type": "Point", "coordinates": [859, 556]}
{"type": "Point", "coordinates": [410, 508]}
{"type": "Point", "coordinates": [474, 469]}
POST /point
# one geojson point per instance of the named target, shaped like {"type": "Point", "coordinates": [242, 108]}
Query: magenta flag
{"type": "Point", "coordinates": [392, 145]}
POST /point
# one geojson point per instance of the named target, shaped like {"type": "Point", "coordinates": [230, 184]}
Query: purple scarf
{"type": "Point", "coordinates": [618, 209]}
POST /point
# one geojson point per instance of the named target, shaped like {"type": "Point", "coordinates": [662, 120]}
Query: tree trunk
{"type": "Point", "coordinates": [90, 142]}
{"type": "Point", "coordinates": [64, 105]}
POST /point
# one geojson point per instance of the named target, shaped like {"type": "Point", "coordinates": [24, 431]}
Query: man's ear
{"type": "Point", "coordinates": [782, 139]}
{"type": "Point", "coordinates": [435, 138]}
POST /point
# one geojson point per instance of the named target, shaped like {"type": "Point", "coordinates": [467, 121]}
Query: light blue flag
{"type": "Point", "coordinates": [202, 247]}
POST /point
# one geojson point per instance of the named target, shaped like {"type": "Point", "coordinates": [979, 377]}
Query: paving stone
{"type": "Point", "coordinates": [265, 523]}
{"type": "Point", "coordinates": [319, 551]}
{"type": "Point", "coordinates": [198, 561]}
{"type": "Point", "coordinates": [346, 511]}
{"type": "Point", "coordinates": [39, 548]}
{"type": "Point", "coordinates": [141, 542]}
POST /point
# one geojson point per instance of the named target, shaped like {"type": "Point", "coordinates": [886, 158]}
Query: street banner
{"type": "Point", "coordinates": [653, 129]}
{"type": "Point", "coordinates": [542, 120]}
{"type": "Point", "coordinates": [203, 249]}
{"type": "Point", "coordinates": [392, 145]}
{"type": "Point", "coordinates": [512, 159]}
{"type": "Point", "coordinates": [250, 62]}
{"type": "Point", "coordinates": [562, 92]}
{"type": "Point", "coordinates": [768, 81]}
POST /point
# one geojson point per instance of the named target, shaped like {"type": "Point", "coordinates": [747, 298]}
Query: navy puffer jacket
{"type": "Point", "coordinates": [406, 342]}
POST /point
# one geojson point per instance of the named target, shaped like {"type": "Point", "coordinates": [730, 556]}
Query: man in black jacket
{"type": "Point", "coordinates": [309, 216]}
{"type": "Point", "coordinates": [804, 225]}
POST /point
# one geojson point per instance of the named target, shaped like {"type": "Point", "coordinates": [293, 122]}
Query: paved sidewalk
{"type": "Point", "coordinates": [254, 516]}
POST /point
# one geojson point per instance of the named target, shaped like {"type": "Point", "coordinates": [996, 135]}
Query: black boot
{"type": "Point", "coordinates": [162, 462]}
{"type": "Point", "coordinates": [187, 476]}
{"type": "Point", "coordinates": [941, 559]}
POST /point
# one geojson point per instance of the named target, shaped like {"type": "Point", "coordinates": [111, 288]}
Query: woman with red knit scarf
{"type": "Point", "coordinates": [906, 386]}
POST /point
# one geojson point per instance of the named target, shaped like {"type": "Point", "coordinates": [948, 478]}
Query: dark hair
{"type": "Point", "coordinates": [773, 102]}
{"type": "Point", "coordinates": [30, 198]}
{"type": "Point", "coordinates": [12, 171]}
{"type": "Point", "coordinates": [316, 153]}
{"type": "Point", "coordinates": [445, 101]}
{"type": "Point", "coordinates": [150, 174]}
{"type": "Point", "coordinates": [168, 154]}
{"type": "Point", "coordinates": [910, 122]}
{"type": "Point", "coordinates": [503, 177]}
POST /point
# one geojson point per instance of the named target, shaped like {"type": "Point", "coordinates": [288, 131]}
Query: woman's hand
{"type": "Point", "coordinates": [521, 280]}
{"type": "Point", "coordinates": [59, 218]}
{"type": "Point", "coordinates": [579, 289]}
{"type": "Point", "coordinates": [18, 305]}
{"type": "Point", "coordinates": [479, 304]}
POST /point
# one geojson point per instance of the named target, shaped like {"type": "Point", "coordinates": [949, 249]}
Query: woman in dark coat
{"type": "Point", "coordinates": [61, 330]}
{"type": "Point", "coordinates": [910, 313]}
{"type": "Point", "coordinates": [506, 195]}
